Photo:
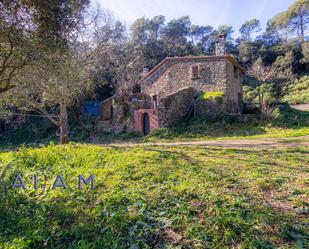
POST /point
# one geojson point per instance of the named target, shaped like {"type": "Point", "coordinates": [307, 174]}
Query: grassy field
{"type": "Point", "coordinates": [156, 197]}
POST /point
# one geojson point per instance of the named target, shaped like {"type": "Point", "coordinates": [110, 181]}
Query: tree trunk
{"type": "Point", "coordinates": [260, 99]}
{"type": "Point", "coordinates": [64, 124]}
{"type": "Point", "coordinates": [302, 33]}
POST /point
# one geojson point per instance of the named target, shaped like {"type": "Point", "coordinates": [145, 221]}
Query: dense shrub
{"type": "Point", "coordinates": [284, 115]}
{"type": "Point", "coordinates": [217, 96]}
{"type": "Point", "coordinates": [297, 92]}
{"type": "Point", "coordinates": [267, 91]}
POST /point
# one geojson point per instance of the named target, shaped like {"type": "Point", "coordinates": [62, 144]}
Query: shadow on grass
{"type": "Point", "coordinates": [75, 222]}
{"type": "Point", "coordinates": [171, 215]}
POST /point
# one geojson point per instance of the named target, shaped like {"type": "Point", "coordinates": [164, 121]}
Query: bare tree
{"type": "Point", "coordinates": [262, 74]}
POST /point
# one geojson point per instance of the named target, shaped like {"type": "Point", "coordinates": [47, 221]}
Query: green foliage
{"type": "Point", "coordinates": [248, 28]}
{"type": "Point", "coordinates": [297, 92]}
{"type": "Point", "coordinates": [149, 197]}
{"type": "Point", "coordinates": [217, 96]}
{"type": "Point", "coordinates": [33, 131]}
{"type": "Point", "coordinates": [295, 18]}
{"type": "Point", "coordinates": [267, 91]}
{"type": "Point", "coordinates": [248, 51]}
{"type": "Point", "coordinates": [287, 122]}
{"type": "Point", "coordinates": [288, 117]}
{"type": "Point", "coordinates": [305, 52]}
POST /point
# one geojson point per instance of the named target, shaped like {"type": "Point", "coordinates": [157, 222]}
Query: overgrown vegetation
{"type": "Point", "coordinates": [285, 122]}
{"type": "Point", "coordinates": [57, 54]}
{"type": "Point", "coordinates": [155, 197]}
{"type": "Point", "coordinates": [216, 96]}
{"type": "Point", "coordinates": [298, 91]}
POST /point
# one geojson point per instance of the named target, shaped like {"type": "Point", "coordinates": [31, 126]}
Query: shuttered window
{"type": "Point", "coordinates": [194, 72]}
{"type": "Point", "coordinates": [235, 72]}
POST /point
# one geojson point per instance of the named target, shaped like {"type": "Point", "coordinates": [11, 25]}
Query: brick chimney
{"type": "Point", "coordinates": [220, 44]}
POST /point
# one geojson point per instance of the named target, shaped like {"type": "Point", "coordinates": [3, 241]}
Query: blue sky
{"type": "Point", "coordinates": [201, 12]}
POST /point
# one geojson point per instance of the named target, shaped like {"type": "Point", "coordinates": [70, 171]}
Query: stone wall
{"type": "Point", "coordinates": [174, 76]}
{"type": "Point", "coordinates": [175, 106]}
{"type": "Point", "coordinates": [208, 108]}
{"type": "Point", "coordinates": [216, 73]}
{"type": "Point", "coordinates": [106, 109]}
{"type": "Point", "coordinates": [234, 92]}
{"type": "Point", "coordinates": [117, 112]}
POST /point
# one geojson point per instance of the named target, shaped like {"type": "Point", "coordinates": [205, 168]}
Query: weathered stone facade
{"type": "Point", "coordinates": [215, 73]}
{"type": "Point", "coordinates": [175, 106]}
{"type": "Point", "coordinates": [178, 76]}
{"type": "Point", "coordinates": [208, 108]}
{"type": "Point", "coordinates": [234, 91]}
{"type": "Point", "coordinates": [117, 112]}
{"type": "Point", "coordinates": [170, 89]}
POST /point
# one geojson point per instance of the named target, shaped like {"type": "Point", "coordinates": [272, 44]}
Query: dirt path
{"type": "Point", "coordinates": [239, 143]}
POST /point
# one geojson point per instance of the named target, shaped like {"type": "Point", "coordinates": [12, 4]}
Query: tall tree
{"type": "Point", "coordinates": [248, 28]}
{"type": "Point", "coordinates": [262, 74]}
{"type": "Point", "coordinates": [176, 30]}
{"type": "Point", "coordinates": [154, 26]}
{"type": "Point", "coordinates": [52, 85]}
{"type": "Point", "coordinates": [57, 20]}
{"type": "Point", "coordinates": [60, 72]}
{"type": "Point", "coordinates": [295, 18]}
{"type": "Point", "coordinates": [248, 52]}
{"type": "Point", "coordinates": [16, 30]}
{"type": "Point", "coordinates": [139, 30]}
{"type": "Point", "coordinates": [305, 53]}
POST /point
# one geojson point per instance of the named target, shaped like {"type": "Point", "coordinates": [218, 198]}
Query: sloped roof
{"type": "Point", "coordinates": [193, 58]}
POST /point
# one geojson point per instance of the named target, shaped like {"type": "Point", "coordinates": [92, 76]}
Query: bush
{"type": "Point", "coordinates": [249, 108]}
{"type": "Point", "coordinates": [284, 115]}
{"type": "Point", "coordinates": [217, 96]}
{"type": "Point", "coordinates": [267, 90]}
{"type": "Point", "coordinates": [298, 91]}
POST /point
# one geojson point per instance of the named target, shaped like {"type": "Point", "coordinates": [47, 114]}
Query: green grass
{"type": "Point", "coordinates": [286, 123]}
{"type": "Point", "coordinates": [156, 197]}
{"type": "Point", "coordinates": [202, 130]}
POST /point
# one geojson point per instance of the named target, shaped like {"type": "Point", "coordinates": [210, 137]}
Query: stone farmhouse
{"type": "Point", "coordinates": [170, 93]}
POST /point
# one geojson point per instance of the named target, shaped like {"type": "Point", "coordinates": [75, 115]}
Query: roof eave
{"type": "Point", "coordinates": [230, 58]}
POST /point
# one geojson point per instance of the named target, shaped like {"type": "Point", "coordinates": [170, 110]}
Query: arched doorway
{"type": "Point", "coordinates": [146, 123]}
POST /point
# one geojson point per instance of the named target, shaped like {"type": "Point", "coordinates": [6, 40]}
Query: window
{"type": "Point", "coordinates": [155, 101]}
{"type": "Point", "coordinates": [235, 73]}
{"type": "Point", "coordinates": [136, 88]}
{"type": "Point", "coordinates": [194, 72]}
{"type": "Point", "coordinates": [240, 76]}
